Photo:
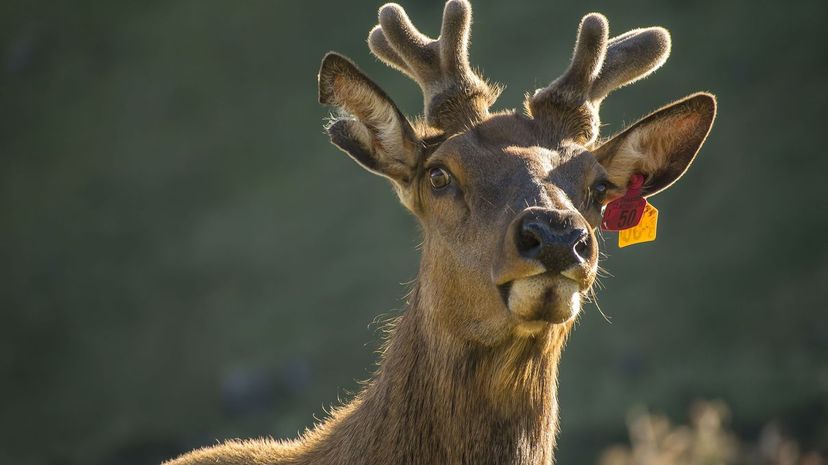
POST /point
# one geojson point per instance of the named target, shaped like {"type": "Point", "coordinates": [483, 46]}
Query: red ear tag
{"type": "Point", "coordinates": [625, 212]}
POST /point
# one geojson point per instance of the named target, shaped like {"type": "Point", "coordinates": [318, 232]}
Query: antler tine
{"type": "Point", "coordinates": [454, 95]}
{"type": "Point", "coordinates": [588, 57]}
{"type": "Point", "coordinates": [631, 56]}
{"type": "Point", "coordinates": [382, 49]}
{"type": "Point", "coordinates": [598, 67]}
{"type": "Point", "coordinates": [454, 37]}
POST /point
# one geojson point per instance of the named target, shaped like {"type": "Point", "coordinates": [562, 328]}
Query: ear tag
{"type": "Point", "coordinates": [631, 215]}
{"type": "Point", "coordinates": [644, 231]}
{"type": "Point", "coordinates": [625, 212]}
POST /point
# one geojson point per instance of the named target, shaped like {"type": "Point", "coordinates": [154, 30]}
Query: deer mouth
{"type": "Point", "coordinates": [542, 299]}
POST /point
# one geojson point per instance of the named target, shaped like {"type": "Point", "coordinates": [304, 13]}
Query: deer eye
{"type": "Point", "coordinates": [598, 192]}
{"type": "Point", "coordinates": [439, 177]}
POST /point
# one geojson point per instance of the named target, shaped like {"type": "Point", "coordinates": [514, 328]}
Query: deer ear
{"type": "Point", "coordinates": [660, 146]}
{"type": "Point", "coordinates": [372, 131]}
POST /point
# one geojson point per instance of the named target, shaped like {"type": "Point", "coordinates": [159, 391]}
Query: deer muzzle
{"type": "Point", "coordinates": [548, 257]}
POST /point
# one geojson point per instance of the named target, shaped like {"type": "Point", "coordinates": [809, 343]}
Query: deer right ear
{"type": "Point", "coordinates": [373, 131]}
{"type": "Point", "coordinates": [660, 146]}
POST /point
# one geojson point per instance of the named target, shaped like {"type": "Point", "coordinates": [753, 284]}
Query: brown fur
{"type": "Point", "coordinates": [469, 372]}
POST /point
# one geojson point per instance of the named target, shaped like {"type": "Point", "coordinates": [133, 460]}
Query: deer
{"type": "Point", "coordinates": [509, 205]}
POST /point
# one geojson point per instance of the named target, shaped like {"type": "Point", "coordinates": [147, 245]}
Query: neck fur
{"type": "Point", "coordinates": [436, 399]}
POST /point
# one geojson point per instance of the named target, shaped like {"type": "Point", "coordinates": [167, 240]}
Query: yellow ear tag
{"type": "Point", "coordinates": [645, 231]}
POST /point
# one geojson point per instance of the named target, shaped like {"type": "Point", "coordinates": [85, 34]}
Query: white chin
{"type": "Point", "coordinates": [543, 299]}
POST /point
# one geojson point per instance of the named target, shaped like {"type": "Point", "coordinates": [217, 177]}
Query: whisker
{"type": "Point", "coordinates": [486, 200]}
{"type": "Point", "coordinates": [594, 299]}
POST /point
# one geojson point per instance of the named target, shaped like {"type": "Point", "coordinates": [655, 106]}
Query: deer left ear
{"type": "Point", "coordinates": [660, 146]}
{"type": "Point", "coordinates": [373, 131]}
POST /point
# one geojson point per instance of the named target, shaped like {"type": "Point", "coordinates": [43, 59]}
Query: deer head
{"type": "Point", "coordinates": [508, 202]}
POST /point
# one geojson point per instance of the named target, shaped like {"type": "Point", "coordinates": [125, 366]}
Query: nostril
{"type": "Point", "coordinates": [529, 237]}
{"type": "Point", "coordinates": [582, 245]}
{"type": "Point", "coordinates": [555, 240]}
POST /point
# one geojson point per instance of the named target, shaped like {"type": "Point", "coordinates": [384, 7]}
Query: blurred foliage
{"type": "Point", "coordinates": [706, 441]}
{"type": "Point", "coordinates": [185, 257]}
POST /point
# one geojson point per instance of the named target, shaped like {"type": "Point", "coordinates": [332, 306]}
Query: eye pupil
{"type": "Point", "coordinates": [599, 192]}
{"type": "Point", "coordinates": [439, 177]}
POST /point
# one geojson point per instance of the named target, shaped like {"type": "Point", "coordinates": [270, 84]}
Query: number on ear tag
{"type": "Point", "coordinates": [645, 231]}
{"type": "Point", "coordinates": [625, 212]}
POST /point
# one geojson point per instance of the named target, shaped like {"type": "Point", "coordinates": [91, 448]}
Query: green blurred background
{"type": "Point", "coordinates": [185, 258]}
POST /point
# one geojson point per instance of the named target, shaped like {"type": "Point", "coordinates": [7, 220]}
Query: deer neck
{"type": "Point", "coordinates": [437, 399]}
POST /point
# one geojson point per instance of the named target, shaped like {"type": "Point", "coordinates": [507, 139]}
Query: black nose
{"type": "Point", "coordinates": [553, 238]}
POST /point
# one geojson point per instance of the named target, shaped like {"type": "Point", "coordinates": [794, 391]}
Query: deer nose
{"type": "Point", "coordinates": [551, 237]}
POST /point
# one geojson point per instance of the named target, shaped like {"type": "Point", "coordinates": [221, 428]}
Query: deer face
{"type": "Point", "coordinates": [509, 203]}
{"type": "Point", "coordinates": [514, 221]}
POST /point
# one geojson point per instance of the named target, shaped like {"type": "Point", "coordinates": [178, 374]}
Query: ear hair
{"type": "Point", "coordinates": [348, 134]}
{"type": "Point", "coordinates": [375, 133]}
{"type": "Point", "coordinates": [662, 145]}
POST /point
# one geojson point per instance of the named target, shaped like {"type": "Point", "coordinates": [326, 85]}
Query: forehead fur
{"type": "Point", "coordinates": [515, 137]}
{"type": "Point", "coordinates": [503, 160]}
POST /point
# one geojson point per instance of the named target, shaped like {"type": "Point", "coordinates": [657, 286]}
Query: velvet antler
{"type": "Point", "coordinates": [454, 95]}
{"type": "Point", "coordinates": [599, 66]}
